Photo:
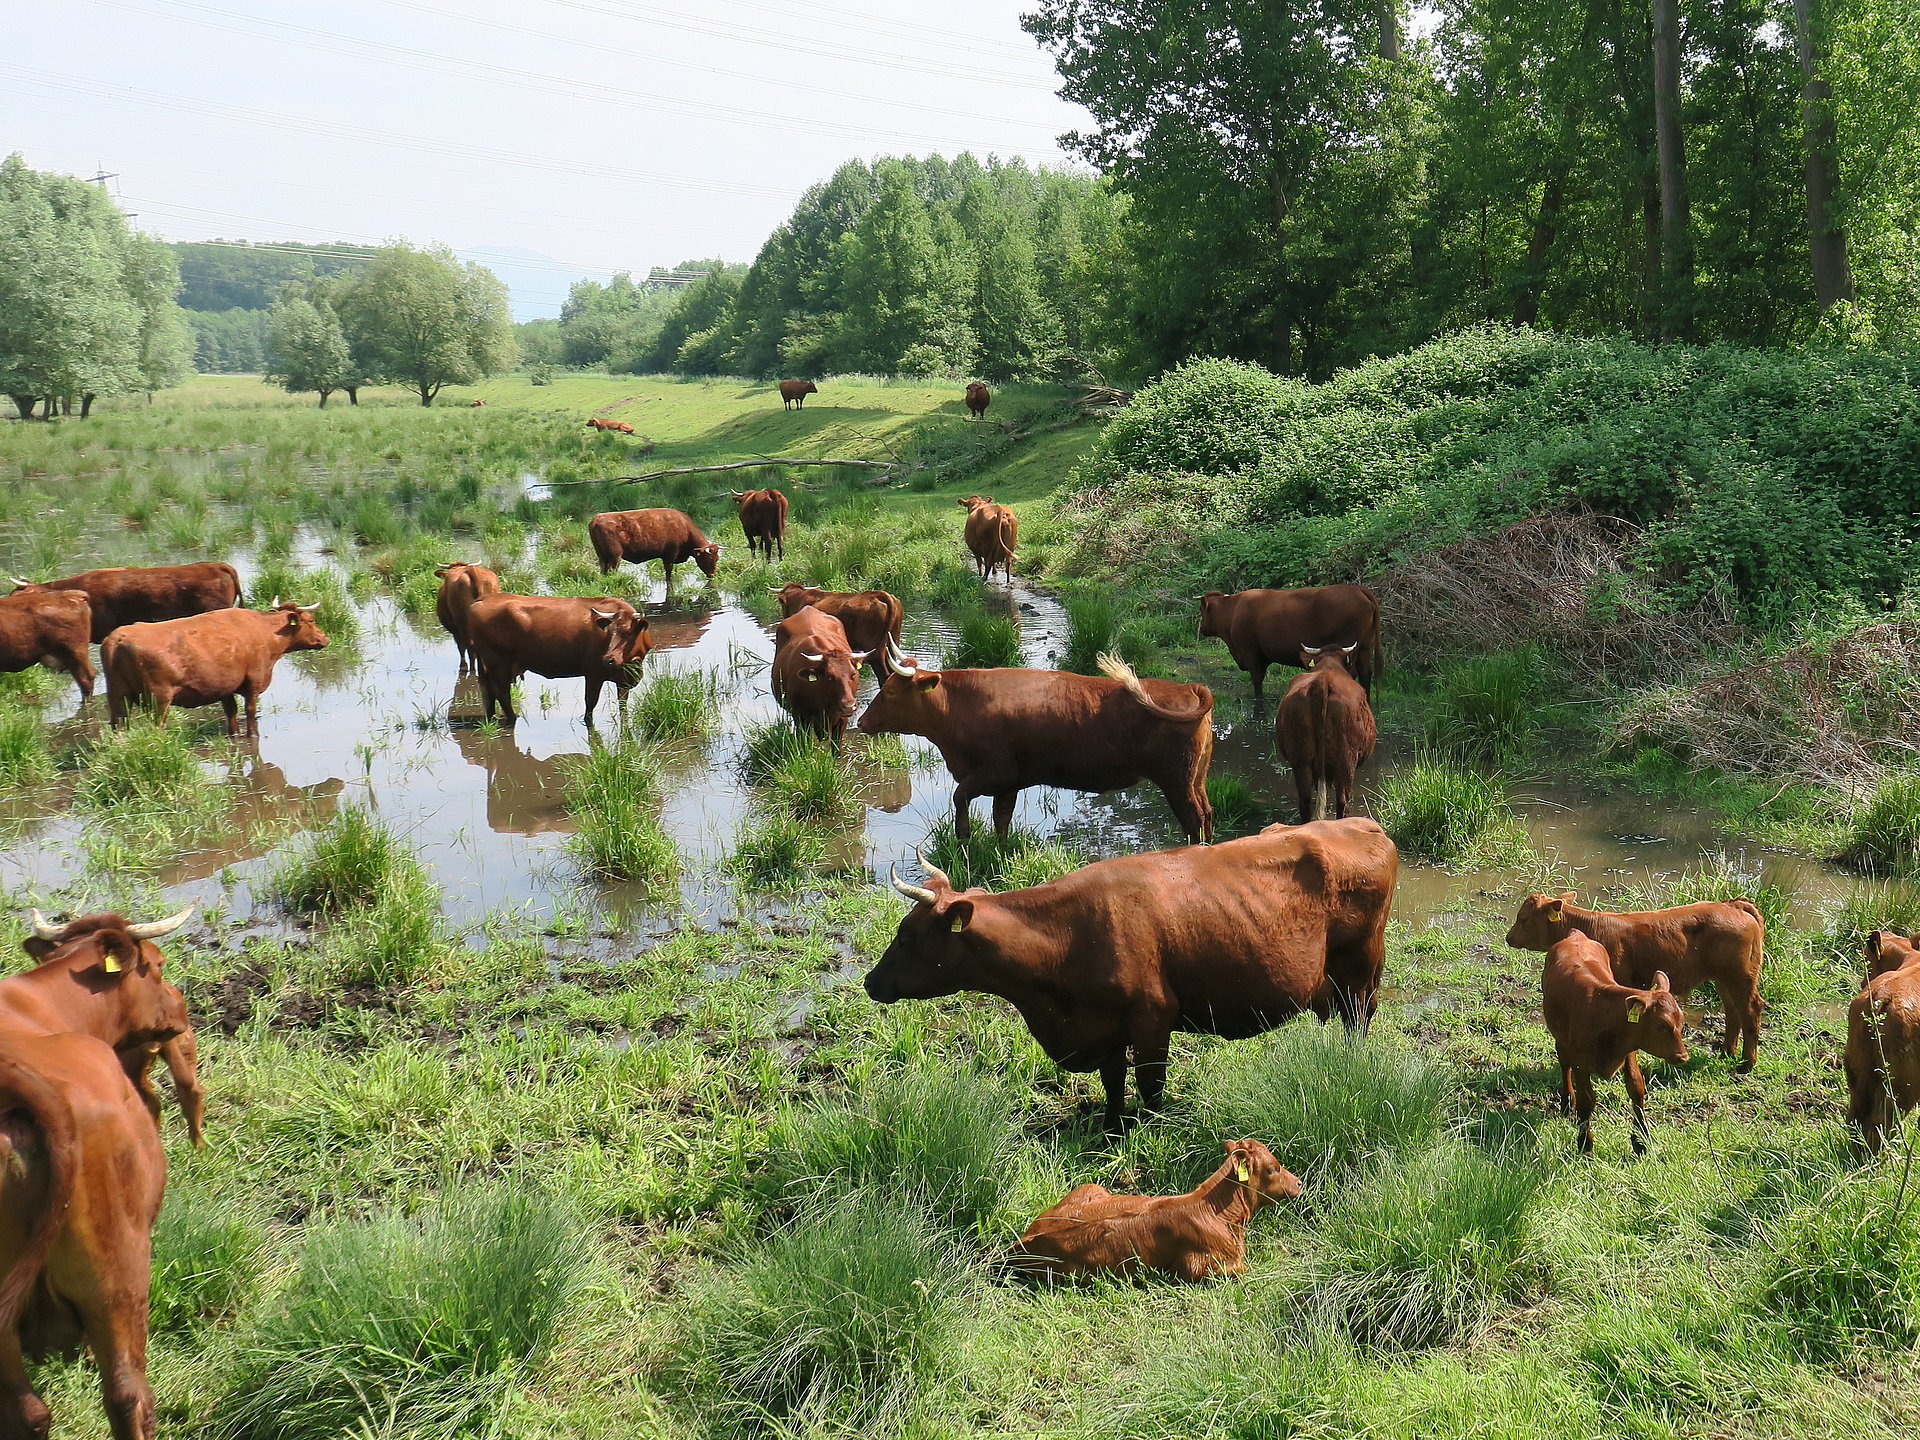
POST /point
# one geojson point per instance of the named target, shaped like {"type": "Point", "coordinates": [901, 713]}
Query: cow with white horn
{"type": "Point", "coordinates": [816, 672]}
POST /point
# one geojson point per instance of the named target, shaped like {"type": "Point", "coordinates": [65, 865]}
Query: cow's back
{"type": "Point", "coordinates": [1883, 1039]}
{"type": "Point", "coordinates": [211, 653]}
{"type": "Point", "coordinates": [1706, 940]}
{"type": "Point", "coordinates": [1279, 622]}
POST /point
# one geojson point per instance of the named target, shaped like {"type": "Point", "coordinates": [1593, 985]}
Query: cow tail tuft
{"type": "Point", "coordinates": [23, 1088]}
{"type": "Point", "coordinates": [1114, 668]}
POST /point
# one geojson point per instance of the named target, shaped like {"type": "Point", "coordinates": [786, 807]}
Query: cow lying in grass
{"type": "Point", "coordinates": [1190, 1237]}
{"type": "Point", "coordinates": [1599, 1026]}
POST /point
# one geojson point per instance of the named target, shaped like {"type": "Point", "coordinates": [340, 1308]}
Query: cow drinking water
{"type": "Point", "coordinates": [601, 639]}
{"type": "Point", "coordinates": [816, 673]}
{"type": "Point", "coordinates": [638, 536]}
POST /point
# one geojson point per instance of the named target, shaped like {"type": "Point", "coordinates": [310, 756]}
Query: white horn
{"type": "Point", "coordinates": [606, 614]}
{"type": "Point", "coordinates": [18, 581]}
{"type": "Point", "coordinates": [934, 872]}
{"type": "Point", "coordinates": [810, 657]}
{"type": "Point", "coordinates": [308, 608]}
{"type": "Point", "coordinates": [860, 655]}
{"type": "Point", "coordinates": [45, 929]}
{"type": "Point", "coordinates": [912, 892]}
{"type": "Point", "coordinates": [276, 603]}
{"type": "Point", "coordinates": [154, 929]}
{"type": "Point", "coordinates": [893, 664]}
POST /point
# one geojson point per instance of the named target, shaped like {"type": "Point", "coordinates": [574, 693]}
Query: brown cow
{"type": "Point", "coordinates": [1271, 627]}
{"type": "Point", "coordinates": [668, 536]}
{"type": "Point", "coordinates": [460, 585]}
{"type": "Point", "coordinates": [816, 673]}
{"type": "Point", "coordinates": [617, 427]}
{"type": "Point", "coordinates": [129, 593]}
{"type": "Point", "coordinates": [992, 532]}
{"type": "Point", "coordinates": [601, 639]}
{"type": "Point", "coordinates": [1005, 729]}
{"type": "Point", "coordinates": [1600, 1026]}
{"type": "Point", "coordinates": [1110, 960]}
{"type": "Point", "coordinates": [82, 1172]}
{"type": "Point", "coordinates": [475, 404]}
{"type": "Point", "coordinates": [1719, 940]}
{"type": "Point", "coordinates": [763, 517]}
{"type": "Point", "coordinates": [1323, 729]}
{"type": "Point", "coordinates": [1883, 1039]}
{"type": "Point", "coordinates": [978, 398]}
{"type": "Point", "coordinates": [47, 627]}
{"type": "Point", "coordinates": [1190, 1237]}
{"type": "Point", "coordinates": [793, 393]}
{"type": "Point", "coordinates": [871, 618]}
{"type": "Point", "coordinates": [201, 659]}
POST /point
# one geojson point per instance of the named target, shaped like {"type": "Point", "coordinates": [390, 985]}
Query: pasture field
{"type": "Point", "coordinates": [544, 1099]}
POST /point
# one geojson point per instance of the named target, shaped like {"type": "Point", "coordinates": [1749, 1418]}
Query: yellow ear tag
{"type": "Point", "coordinates": [959, 924]}
{"type": "Point", "coordinates": [111, 964]}
{"type": "Point", "coordinates": [1240, 1172]}
{"type": "Point", "coordinates": [1634, 1012]}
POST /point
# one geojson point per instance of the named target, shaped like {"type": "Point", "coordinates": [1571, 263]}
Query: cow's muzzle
{"type": "Point", "coordinates": [880, 987]}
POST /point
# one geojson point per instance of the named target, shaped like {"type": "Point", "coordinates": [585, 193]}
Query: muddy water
{"type": "Point", "coordinates": [388, 721]}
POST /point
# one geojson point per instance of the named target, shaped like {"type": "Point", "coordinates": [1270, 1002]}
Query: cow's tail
{"type": "Point", "coordinates": [23, 1088]}
{"type": "Point", "coordinates": [1376, 654]}
{"type": "Point", "coordinates": [1114, 668]}
{"type": "Point", "coordinates": [1321, 722]}
{"type": "Point", "coordinates": [239, 594]}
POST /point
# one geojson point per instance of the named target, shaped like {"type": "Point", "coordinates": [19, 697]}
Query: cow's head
{"type": "Point", "coordinates": [795, 597]}
{"type": "Point", "coordinates": [20, 586]}
{"type": "Point", "coordinates": [909, 700]}
{"type": "Point", "coordinates": [707, 557]}
{"type": "Point", "coordinates": [933, 944]}
{"type": "Point", "coordinates": [1328, 657]}
{"type": "Point", "coordinates": [1889, 950]}
{"type": "Point", "coordinates": [1253, 1165]}
{"type": "Point", "coordinates": [623, 628]}
{"type": "Point", "coordinates": [1542, 922]}
{"type": "Point", "coordinates": [116, 963]}
{"type": "Point", "coordinates": [832, 677]}
{"type": "Point", "coordinates": [1656, 1019]}
{"type": "Point", "coordinates": [297, 625]}
{"type": "Point", "coordinates": [1216, 611]}
{"type": "Point", "coordinates": [974, 502]}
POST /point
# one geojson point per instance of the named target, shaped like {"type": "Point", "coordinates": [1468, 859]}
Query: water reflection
{"type": "Point", "coordinates": [524, 792]}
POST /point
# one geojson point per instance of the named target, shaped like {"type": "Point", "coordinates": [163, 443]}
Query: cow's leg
{"type": "Point", "coordinates": [81, 669]}
{"type": "Point", "coordinates": [230, 704]}
{"type": "Point", "coordinates": [593, 698]}
{"type": "Point", "coordinates": [1637, 1093]}
{"type": "Point", "coordinates": [116, 706]}
{"type": "Point", "coordinates": [1150, 1045]}
{"type": "Point", "coordinates": [117, 1334]}
{"type": "Point", "coordinates": [1566, 1090]}
{"type": "Point", "coordinates": [1003, 812]}
{"type": "Point", "coordinates": [1306, 792]}
{"type": "Point", "coordinates": [253, 711]}
{"type": "Point", "coordinates": [1583, 1108]}
{"type": "Point", "coordinates": [1113, 1077]}
{"type": "Point", "coordinates": [1749, 1028]}
{"type": "Point", "coordinates": [22, 1412]}
{"type": "Point", "coordinates": [1258, 670]}
{"type": "Point", "coordinates": [963, 810]}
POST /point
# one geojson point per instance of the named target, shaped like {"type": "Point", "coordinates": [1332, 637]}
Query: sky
{"type": "Point", "coordinates": [553, 138]}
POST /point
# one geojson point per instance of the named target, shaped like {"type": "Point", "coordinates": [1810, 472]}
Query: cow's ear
{"type": "Point", "coordinates": [118, 952]}
{"type": "Point", "coordinates": [1635, 1009]}
{"type": "Point", "coordinates": [1555, 909]}
{"type": "Point", "coordinates": [927, 679]}
{"type": "Point", "coordinates": [1567, 896]}
{"type": "Point", "coordinates": [958, 915]}
{"type": "Point", "coordinates": [1661, 982]}
{"type": "Point", "coordinates": [1873, 951]}
{"type": "Point", "coordinates": [36, 947]}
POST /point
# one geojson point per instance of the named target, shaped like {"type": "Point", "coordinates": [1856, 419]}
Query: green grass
{"type": "Point", "coordinates": [1843, 1270]}
{"type": "Point", "coordinates": [1487, 709]}
{"type": "Point", "coordinates": [25, 758]}
{"type": "Point", "coordinates": [813, 784]}
{"type": "Point", "coordinates": [1093, 625]}
{"type": "Point", "coordinates": [613, 792]}
{"type": "Point", "coordinates": [409, 1324]}
{"type": "Point", "coordinates": [776, 851]}
{"type": "Point", "coordinates": [985, 641]}
{"type": "Point", "coordinates": [1236, 809]}
{"type": "Point", "coordinates": [142, 766]}
{"type": "Point", "coordinates": [346, 865]}
{"type": "Point", "coordinates": [676, 705]}
{"type": "Point", "coordinates": [1885, 835]}
{"type": "Point", "coordinates": [208, 1258]}
{"type": "Point", "coordinates": [1023, 858]}
{"type": "Point", "coordinates": [1440, 810]}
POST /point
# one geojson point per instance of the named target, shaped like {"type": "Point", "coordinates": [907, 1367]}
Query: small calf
{"type": "Point", "coordinates": [1719, 940]}
{"type": "Point", "coordinates": [1883, 1038]}
{"type": "Point", "coordinates": [1190, 1237]}
{"type": "Point", "coordinates": [1599, 1026]}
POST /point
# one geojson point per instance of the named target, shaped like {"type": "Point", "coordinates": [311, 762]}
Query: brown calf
{"type": "Point", "coordinates": [1599, 1026]}
{"type": "Point", "coordinates": [460, 585]}
{"type": "Point", "coordinates": [1190, 1237]}
{"type": "Point", "coordinates": [992, 532]}
{"type": "Point", "coordinates": [224, 656]}
{"type": "Point", "coordinates": [1719, 940]}
{"type": "Point", "coordinates": [1323, 728]}
{"type": "Point", "coordinates": [763, 519]}
{"type": "Point", "coordinates": [1883, 1038]}
{"type": "Point", "coordinates": [47, 627]}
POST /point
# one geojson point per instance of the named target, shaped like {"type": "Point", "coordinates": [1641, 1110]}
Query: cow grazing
{"type": "Point", "coordinates": [602, 640]}
{"type": "Point", "coordinates": [222, 657]}
{"type": "Point", "coordinates": [1273, 627]}
{"type": "Point", "coordinates": [871, 618]}
{"type": "Point", "coordinates": [47, 627]}
{"type": "Point", "coordinates": [1719, 940]}
{"type": "Point", "coordinates": [128, 593]}
{"type": "Point", "coordinates": [1883, 1038]}
{"type": "Point", "coordinates": [992, 533]}
{"type": "Point", "coordinates": [763, 518]}
{"type": "Point", "coordinates": [816, 673]}
{"type": "Point", "coordinates": [793, 393]}
{"type": "Point", "coordinates": [1194, 1236]}
{"type": "Point", "coordinates": [668, 536]}
{"type": "Point", "coordinates": [1600, 1026]}
{"type": "Point", "coordinates": [1110, 960]}
{"type": "Point", "coordinates": [616, 427]}
{"type": "Point", "coordinates": [978, 398]}
{"type": "Point", "coordinates": [1003, 730]}
{"type": "Point", "coordinates": [1323, 729]}
{"type": "Point", "coordinates": [460, 585]}
{"type": "Point", "coordinates": [82, 1172]}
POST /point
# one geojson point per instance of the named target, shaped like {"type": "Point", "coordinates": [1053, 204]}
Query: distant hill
{"type": "Point", "coordinates": [220, 275]}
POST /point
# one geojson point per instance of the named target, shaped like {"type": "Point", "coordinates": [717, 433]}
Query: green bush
{"type": "Point", "coordinates": [419, 1324]}
{"type": "Point", "coordinates": [1443, 811]}
{"type": "Point", "coordinates": [1884, 838]}
{"type": "Point", "coordinates": [844, 1316]}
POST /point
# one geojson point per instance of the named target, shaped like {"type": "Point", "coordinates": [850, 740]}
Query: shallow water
{"type": "Point", "coordinates": [387, 720]}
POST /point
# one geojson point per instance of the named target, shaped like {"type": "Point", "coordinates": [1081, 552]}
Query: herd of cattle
{"type": "Point", "coordinates": [1104, 964]}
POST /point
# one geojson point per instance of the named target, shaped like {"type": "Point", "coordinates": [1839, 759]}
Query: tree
{"type": "Point", "coordinates": [424, 319]}
{"type": "Point", "coordinates": [306, 348]}
{"type": "Point", "coordinates": [152, 277]}
{"type": "Point", "coordinates": [1676, 214]}
{"type": "Point", "coordinates": [903, 308]}
{"type": "Point", "coordinates": [1826, 238]}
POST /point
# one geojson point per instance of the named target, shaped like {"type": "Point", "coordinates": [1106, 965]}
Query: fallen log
{"type": "Point", "coordinates": [729, 465]}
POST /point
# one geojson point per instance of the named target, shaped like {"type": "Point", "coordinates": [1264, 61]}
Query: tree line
{"type": "Point", "coordinates": [902, 266]}
{"type": "Point", "coordinates": [86, 302]}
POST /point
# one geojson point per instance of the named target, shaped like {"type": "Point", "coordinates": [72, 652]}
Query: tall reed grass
{"type": "Point", "coordinates": [1488, 708]}
{"type": "Point", "coordinates": [1444, 811]}
{"type": "Point", "coordinates": [613, 792]}
{"type": "Point", "coordinates": [985, 642]}
{"type": "Point", "coordinates": [1022, 859]}
{"type": "Point", "coordinates": [1884, 837]}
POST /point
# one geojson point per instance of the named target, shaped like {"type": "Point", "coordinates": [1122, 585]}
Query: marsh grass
{"type": "Point", "coordinates": [35, 685]}
{"type": "Point", "coordinates": [613, 792]}
{"type": "Point", "coordinates": [1426, 1249]}
{"type": "Point", "coordinates": [1092, 626]}
{"type": "Point", "coordinates": [1022, 859]}
{"type": "Point", "coordinates": [985, 642]}
{"type": "Point", "coordinates": [1877, 905]}
{"type": "Point", "coordinates": [25, 758]}
{"type": "Point", "coordinates": [421, 1323]}
{"type": "Point", "coordinates": [768, 746]}
{"type": "Point", "coordinates": [776, 850]}
{"type": "Point", "coordinates": [1440, 810]}
{"type": "Point", "coordinates": [325, 586]}
{"type": "Point", "coordinates": [815, 784]}
{"type": "Point", "coordinates": [929, 1133]}
{"type": "Point", "coordinates": [842, 1318]}
{"type": "Point", "coordinates": [1488, 708]}
{"type": "Point", "coordinates": [1236, 809]}
{"type": "Point", "coordinates": [1842, 1270]}
{"type": "Point", "coordinates": [676, 705]}
{"type": "Point", "coordinates": [208, 1257]}
{"type": "Point", "coordinates": [141, 767]}
{"type": "Point", "coordinates": [346, 864]}
{"type": "Point", "coordinates": [396, 941]}
{"type": "Point", "coordinates": [1884, 837]}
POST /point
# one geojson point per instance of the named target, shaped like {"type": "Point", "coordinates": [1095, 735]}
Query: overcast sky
{"type": "Point", "coordinates": [606, 134]}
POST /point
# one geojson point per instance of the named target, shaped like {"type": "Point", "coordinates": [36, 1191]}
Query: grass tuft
{"type": "Point", "coordinates": [1236, 809]}
{"type": "Point", "coordinates": [24, 756]}
{"type": "Point", "coordinates": [1444, 811]}
{"type": "Point", "coordinates": [1884, 838]}
{"type": "Point", "coordinates": [613, 791]}
{"type": "Point", "coordinates": [207, 1260]}
{"type": "Point", "coordinates": [142, 766]}
{"type": "Point", "coordinates": [1488, 708]}
{"type": "Point", "coordinates": [343, 866]}
{"type": "Point", "coordinates": [1844, 1269]}
{"type": "Point", "coordinates": [676, 705]}
{"type": "Point", "coordinates": [1023, 858]}
{"type": "Point", "coordinates": [776, 851]}
{"type": "Point", "coordinates": [985, 642]}
{"type": "Point", "coordinates": [1093, 625]}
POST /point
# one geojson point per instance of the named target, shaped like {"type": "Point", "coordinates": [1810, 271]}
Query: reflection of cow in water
{"type": "Point", "coordinates": [523, 792]}
{"type": "Point", "coordinates": [261, 792]}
